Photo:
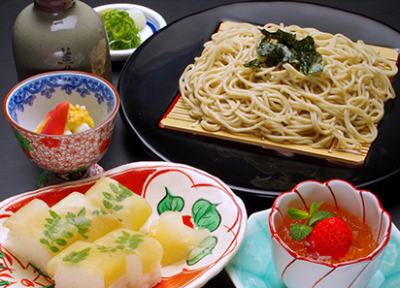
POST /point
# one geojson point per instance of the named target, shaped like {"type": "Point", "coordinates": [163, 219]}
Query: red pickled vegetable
{"type": "Point", "coordinates": [58, 119]}
{"type": "Point", "coordinates": [46, 118]}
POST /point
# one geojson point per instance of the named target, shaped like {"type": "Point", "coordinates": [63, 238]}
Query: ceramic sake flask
{"type": "Point", "coordinates": [60, 35]}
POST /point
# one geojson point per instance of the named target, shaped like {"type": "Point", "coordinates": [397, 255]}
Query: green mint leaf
{"type": "Point", "coordinates": [298, 232]}
{"type": "Point", "coordinates": [314, 207]}
{"type": "Point", "coordinates": [76, 257]}
{"type": "Point", "coordinates": [318, 216]}
{"type": "Point", "coordinates": [297, 214]}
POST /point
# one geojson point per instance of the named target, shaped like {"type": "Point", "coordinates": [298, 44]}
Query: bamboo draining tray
{"type": "Point", "coordinates": [177, 118]}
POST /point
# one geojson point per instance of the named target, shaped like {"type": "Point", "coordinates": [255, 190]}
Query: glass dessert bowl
{"type": "Point", "coordinates": [66, 156]}
{"type": "Point", "coordinates": [296, 268]}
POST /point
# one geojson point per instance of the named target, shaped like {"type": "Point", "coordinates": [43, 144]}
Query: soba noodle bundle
{"type": "Point", "coordinates": [338, 108]}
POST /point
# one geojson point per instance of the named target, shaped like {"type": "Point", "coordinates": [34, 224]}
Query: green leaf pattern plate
{"type": "Point", "coordinates": [205, 202]}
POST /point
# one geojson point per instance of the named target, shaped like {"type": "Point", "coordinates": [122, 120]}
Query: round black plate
{"type": "Point", "coordinates": [149, 83]}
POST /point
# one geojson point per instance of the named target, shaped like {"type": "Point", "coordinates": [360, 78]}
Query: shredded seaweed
{"type": "Point", "coordinates": [280, 47]}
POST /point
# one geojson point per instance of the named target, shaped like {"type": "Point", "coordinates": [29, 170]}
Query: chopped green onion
{"type": "Point", "coordinates": [121, 29]}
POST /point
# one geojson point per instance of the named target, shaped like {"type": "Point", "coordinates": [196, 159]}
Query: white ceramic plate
{"type": "Point", "coordinates": [252, 265]}
{"type": "Point", "coordinates": [148, 179]}
{"type": "Point", "coordinates": [154, 22]}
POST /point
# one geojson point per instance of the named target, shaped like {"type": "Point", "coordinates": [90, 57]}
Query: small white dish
{"type": "Point", "coordinates": [154, 22]}
{"type": "Point", "coordinates": [252, 265]}
{"type": "Point", "coordinates": [299, 271]}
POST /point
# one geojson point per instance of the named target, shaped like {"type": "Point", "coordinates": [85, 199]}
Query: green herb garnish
{"type": "Point", "coordinates": [129, 242]}
{"type": "Point", "coordinates": [286, 48]}
{"type": "Point", "coordinates": [105, 249]}
{"type": "Point", "coordinates": [76, 257]}
{"type": "Point", "coordinates": [299, 231]}
{"type": "Point", "coordinates": [80, 222]}
{"type": "Point", "coordinates": [124, 242]}
{"type": "Point", "coordinates": [58, 230]}
{"type": "Point", "coordinates": [121, 29]}
{"type": "Point", "coordinates": [112, 201]}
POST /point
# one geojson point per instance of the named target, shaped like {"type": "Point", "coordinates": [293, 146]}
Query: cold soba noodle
{"type": "Point", "coordinates": [337, 108]}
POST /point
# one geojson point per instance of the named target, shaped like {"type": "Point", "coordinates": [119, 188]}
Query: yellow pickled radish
{"type": "Point", "coordinates": [83, 265]}
{"type": "Point", "coordinates": [177, 239]}
{"type": "Point", "coordinates": [36, 233]}
{"type": "Point", "coordinates": [114, 199]}
{"type": "Point", "coordinates": [121, 258]}
{"type": "Point", "coordinates": [82, 212]}
{"type": "Point", "coordinates": [143, 255]}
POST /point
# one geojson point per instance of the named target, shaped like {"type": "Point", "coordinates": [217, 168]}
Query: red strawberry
{"type": "Point", "coordinates": [329, 237]}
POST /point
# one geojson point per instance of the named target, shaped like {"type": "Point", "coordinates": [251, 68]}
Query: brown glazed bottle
{"type": "Point", "coordinates": [60, 35]}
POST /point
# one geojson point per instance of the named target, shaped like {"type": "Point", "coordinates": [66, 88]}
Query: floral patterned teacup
{"type": "Point", "coordinates": [30, 100]}
{"type": "Point", "coordinates": [301, 272]}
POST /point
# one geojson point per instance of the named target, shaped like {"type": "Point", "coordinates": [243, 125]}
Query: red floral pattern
{"type": "Point", "coordinates": [68, 154]}
{"type": "Point", "coordinates": [24, 274]}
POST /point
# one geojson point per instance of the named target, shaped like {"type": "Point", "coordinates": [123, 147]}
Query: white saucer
{"type": "Point", "coordinates": [154, 22]}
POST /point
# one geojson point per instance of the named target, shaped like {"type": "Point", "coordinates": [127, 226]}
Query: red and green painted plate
{"type": "Point", "coordinates": [161, 184]}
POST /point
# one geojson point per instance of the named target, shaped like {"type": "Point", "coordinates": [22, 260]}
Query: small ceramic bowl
{"type": "Point", "coordinates": [30, 100]}
{"type": "Point", "coordinates": [154, 22]}
{"type": "Point", "coordinates": [297, 271]}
